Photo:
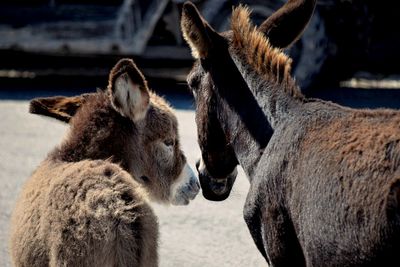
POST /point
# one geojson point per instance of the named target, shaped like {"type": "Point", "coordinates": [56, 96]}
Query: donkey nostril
{"type": "Point", "coordinates": [196, 185]}
{"type": "Point", "coordinates": [219, 186]}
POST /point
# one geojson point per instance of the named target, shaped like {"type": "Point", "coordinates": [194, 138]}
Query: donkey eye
{"type": "Point", "coordinates": [169, 142]}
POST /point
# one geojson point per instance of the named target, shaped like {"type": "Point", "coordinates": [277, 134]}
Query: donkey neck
{"type": "Point", "coordinates": [247, 149]}
{"type": "Point", "coordinates": [246, 129]}
{"type": "Point", "coordinates": [273, 97]}
{"type": "Point", "coordinates": [248, 111]}
{"type": "Point", "coordinates": [243, 121]}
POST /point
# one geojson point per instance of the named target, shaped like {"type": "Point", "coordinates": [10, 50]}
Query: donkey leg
{"type": "Point", "coordinates": [253, 220]}
{"type": "Point", "coordinates": [282, 245]}
{"type": "Point", "coordinates": [272, 229]}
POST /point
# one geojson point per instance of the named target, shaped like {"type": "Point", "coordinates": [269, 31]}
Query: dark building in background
{"type": "Point", "coordinates": [85, 37]}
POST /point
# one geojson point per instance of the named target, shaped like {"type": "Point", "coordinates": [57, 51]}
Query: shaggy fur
{"type": "Point", "coordinates": [324, 179]}
{"type": "Point", "coordinates": [86, 203]}
{"type": "Point", "coordinates": [88, 213]}
{"type": "Point", "coordinates": [268, 61]}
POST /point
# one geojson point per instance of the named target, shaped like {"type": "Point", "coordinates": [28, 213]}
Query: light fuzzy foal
{"type": "Point", "coordinates": [85, 204]}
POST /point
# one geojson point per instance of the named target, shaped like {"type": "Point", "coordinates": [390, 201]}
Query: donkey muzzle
{"type": "Point", "coordinates": [185, 188]}
{"type": "Point", "coordinates": [215, 189]}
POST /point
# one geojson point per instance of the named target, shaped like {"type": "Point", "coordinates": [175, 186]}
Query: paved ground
{"type": "Point", "coordinates": [201, 234]}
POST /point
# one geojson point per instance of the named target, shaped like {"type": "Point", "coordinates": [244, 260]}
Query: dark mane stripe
{"type": "Point", "coordinates": [252, 45]}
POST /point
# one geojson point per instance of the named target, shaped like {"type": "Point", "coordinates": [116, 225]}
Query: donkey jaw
{"type": "Point", "coordinates": [185, 188]}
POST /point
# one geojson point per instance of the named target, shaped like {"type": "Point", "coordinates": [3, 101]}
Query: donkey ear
{"type": "Point", "coordinates": [128, 90]}
{"type": "Point", "coordinates": [58, 107]}
{"type": "Point", "coordinates": [196, 31]}
{"type": "Point", "coordinates": [287, 24]}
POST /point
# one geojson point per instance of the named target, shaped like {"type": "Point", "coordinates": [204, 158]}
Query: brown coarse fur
{"type": "Point", "coordinates": [324, 179]}
{"type": "Point", "coordinates": [342, 182]}
{"type": "Point", "coordinates": [87, 202]}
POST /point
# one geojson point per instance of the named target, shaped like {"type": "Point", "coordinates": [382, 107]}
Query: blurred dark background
{"type": "Point", "coordinates": [349, 52]}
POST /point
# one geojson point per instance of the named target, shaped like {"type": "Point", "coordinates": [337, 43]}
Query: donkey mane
{"type": "Point", "coordinates": [252, 45]}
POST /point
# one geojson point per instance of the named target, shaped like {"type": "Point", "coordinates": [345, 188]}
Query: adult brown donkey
{"type": "Point", "coordinates": [325, 179]}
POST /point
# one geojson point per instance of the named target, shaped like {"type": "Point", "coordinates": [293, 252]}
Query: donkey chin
{"type": "Point", "coordinates": [215, 189]}
{"type": "Point", "coordinates": [185, 188]}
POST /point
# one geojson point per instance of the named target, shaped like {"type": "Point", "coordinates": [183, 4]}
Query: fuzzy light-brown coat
{"type": "Point", "coordinates": [86, 203]}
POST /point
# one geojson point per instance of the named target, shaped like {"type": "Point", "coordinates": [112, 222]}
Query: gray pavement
{"type": "Point", "coordinates": [201, 234]}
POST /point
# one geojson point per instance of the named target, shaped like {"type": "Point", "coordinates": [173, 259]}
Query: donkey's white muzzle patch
{"type": "Point", "coordinates": [185, 188]}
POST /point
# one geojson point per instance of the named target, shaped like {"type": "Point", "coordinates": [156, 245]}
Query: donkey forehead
{"type": "Point", "coordinates": [160, 118]}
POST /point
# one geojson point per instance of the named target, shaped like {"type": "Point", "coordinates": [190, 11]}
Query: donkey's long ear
{"type": "Point", "coordinates": [58, 107]}
{"type": "Point", "coordinates": [128, 90]}
{"type": "Point", "coordinates": [196, 31]}
{"type": "Point", "coordinates": [287, 24]}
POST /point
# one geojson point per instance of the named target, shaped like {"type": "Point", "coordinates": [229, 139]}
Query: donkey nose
{"type": "Point", "coordinates": [192, 187]}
